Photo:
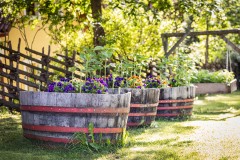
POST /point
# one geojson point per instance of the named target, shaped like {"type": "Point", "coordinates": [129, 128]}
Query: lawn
{"type": "Point", "coordinates": [213, 132]}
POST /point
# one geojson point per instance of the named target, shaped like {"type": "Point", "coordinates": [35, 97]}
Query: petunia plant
{"type": "Point", "coordinates": [152, 82]}
{"type": "Point", "coordinates": [64, 85]}
{"type": "Point", "coordinates": [95, 85]}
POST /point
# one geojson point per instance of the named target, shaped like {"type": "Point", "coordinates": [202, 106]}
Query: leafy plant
{"type": "Point", "coordinates": [95, 60]}
{"type": "Point", "coordinates": [87, 142]}
{"type": "Point", "coordinates": [177, 69]}
{"type": "Point", "coordinates": [204, 76]}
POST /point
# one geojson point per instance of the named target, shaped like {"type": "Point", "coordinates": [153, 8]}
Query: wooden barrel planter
{"type": "Point", "coordinates": [176, 102]}
{"type": "Point", "coordinates": [143, 107]}
{"type": "Point", "coordinates": [55, 117]}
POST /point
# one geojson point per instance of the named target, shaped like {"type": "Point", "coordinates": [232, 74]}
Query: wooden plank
{"type": "Point", "coordinates": [23, 72]}
{"type": "Point", "coordinates": [9, 86]}
{"type": "Point", "coordinates": [21, 54]}
{"type": "Point", "coordinates": [22, 81]}
{"type": "Point", "coordinates": [9, 104]}
{"type": "Point", "coordinates": [14, 96]}
{"type": "Point", "coordinates": [234, 47]}
{"type": "Point", "coordinates": [165, 43]}
{"type": "Point", "coordinates": [40, 54]}
{"type": "Point", "coordinates": [26, 64]}
{"type": "Point", "coordinates": [178, 43]}
{"type": "Point", "coordinates": [199, 33]}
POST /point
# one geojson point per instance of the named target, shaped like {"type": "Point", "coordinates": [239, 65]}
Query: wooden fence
{"type": "Point", "coordinates": [31, 70]}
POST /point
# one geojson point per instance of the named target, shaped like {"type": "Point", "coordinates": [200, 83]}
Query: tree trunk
{"type": "Point", "coordinates": [98, 30]}
{"type": "Point", "coordinates": [207, 43]}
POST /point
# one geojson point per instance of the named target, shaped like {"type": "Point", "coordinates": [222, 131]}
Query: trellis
{"type": "Point", "coordinates": [221, 33]}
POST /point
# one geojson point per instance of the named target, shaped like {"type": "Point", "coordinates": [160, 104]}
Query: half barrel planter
{"type": "Point", "coordinates": [176, 102]}
{"type": "Point", "coordinates": [143, 107]}
{"type": "Point", "coordinates": [55, 117]}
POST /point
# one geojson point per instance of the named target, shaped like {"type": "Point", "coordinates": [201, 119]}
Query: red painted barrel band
{"type": "Point", "coordinates": [173, 114]}
{"type": "Point", "coordinates": [74, 110]}
{"type": "Point", "coordinates": [141, 114]}
{"type": "Point", "coordinates": [70, 129]}
{"type": "Point", "coordinates": [174, 108]}
{"type": "Point", "coordinates": [56, 140]}
{"type": "Point", "coordinates": [134, 105]}
{"type": "Point", "coordinates": [132, 124]}
{"type": "Point", "coordinates": [49, 139]}
{"type": "Point", "coordinates": [176, 100]}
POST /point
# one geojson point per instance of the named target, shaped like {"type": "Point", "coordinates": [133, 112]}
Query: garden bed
{"type": "Point", "coordinates": [213, 88]}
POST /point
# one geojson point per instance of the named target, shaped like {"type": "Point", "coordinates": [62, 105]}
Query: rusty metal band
{"type": "Point", "coordinates": [134, 105]}
{"type": "Point", "coordinates": [73, 110]}
{"type": "Point", "coordinates": [49, 139]}
{"type": "Point", "coordinates": [135, 124]}
{"type": "Point", "coordinates": [173, 114]}
{"type": "Point", "coordinates": [70, 129]}
{"type": "Point", "coordinates": [176, 100]}
{"type": "Point", "coordinates": [141, 114]}
{"type": "Point", "coordinates": [56, 140]}
{"type": "Point", "coordinates": [174, 108]}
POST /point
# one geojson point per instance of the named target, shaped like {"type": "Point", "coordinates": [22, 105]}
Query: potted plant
{"type": "Point", "coordinates": [144, 101]}
{"type": "Point", "coordinates": [177, 94]}
{"type": "Point", "coordinates": [71, 106]}
{"type": "Point", "coordinates": [207, 82]}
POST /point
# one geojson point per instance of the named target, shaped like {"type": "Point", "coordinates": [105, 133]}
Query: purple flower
{"type": "Point", "coordinates": [95, 85]}
{"type": "Point", "coordinates": [152, 82]}
{"type": "Point", "coordinates": [174, 81]}
{"type": "Point", "coordinates": [99, 91]}
{"type": "Point", "coordinates": [64, 79]}
{"type": "Point", "coordinates": [59, 84]}
{"type": "Point", "coordinates": [50, 88]}
{"type": "Point", "coordinates": [62, 86]}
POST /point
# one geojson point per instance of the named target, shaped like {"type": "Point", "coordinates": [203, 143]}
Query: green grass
{"type": "Point", "coordinates": [164, 140]}
{"type": "Point", "coordinates": [217, 107]}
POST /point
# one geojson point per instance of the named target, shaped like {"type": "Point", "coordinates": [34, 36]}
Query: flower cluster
{"type": "Point", "coordinates": [152, 82]}
{"type": "Point", "coordinates": [95, 85]}
{"type": "Point", "coordinates": [115, 83]}
{"type": "Point", "coordinates": [135, 82]}
{"type": "Point", "coordinates": [157, 82]}
{"type": "Point", "coordinates": [64, 85]}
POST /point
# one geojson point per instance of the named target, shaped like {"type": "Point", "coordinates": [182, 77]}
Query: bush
{"type": "Point", "coordinates": [204, 76]}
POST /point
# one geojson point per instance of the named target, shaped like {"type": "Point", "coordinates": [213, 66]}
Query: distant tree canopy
{"type": "Point", "coordinates": [129, 26]}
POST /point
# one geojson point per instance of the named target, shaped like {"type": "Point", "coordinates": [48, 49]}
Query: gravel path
{"type": "Point", "coordinates": [215, 139]}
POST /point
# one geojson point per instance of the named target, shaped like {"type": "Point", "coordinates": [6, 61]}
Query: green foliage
{"type": "Point", "coordinates": [132, 27]}
{"type": "Point", "coordinates": [204, 76]}
{"type": "Point", "coordinates": [180, 67]}
{"type": "Point", "coordinates": [88, 144]}
{"type": "Point", "coordinates": [95, 60]}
